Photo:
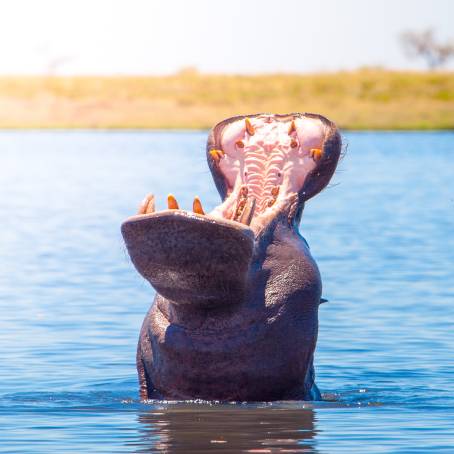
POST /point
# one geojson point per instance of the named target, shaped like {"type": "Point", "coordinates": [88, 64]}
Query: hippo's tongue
{"type": "Point", "coordinates": [262, 162]}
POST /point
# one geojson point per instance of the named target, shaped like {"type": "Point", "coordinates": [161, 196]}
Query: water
{"type": "Point", "coordinates": [71, 303]}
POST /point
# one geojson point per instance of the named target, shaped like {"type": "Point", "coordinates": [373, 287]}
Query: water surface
{"type": "Point", "coordinates": [71, 303]}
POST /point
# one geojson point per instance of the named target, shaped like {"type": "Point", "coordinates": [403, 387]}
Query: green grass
{"type": "Point", "coordinates": [363, 99]}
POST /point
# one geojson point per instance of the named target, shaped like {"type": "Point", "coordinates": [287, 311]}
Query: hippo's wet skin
{"type": "Point", "coordinates": [236, 314]}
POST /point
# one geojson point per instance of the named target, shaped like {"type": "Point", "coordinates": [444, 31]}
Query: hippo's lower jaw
{"type": "Point", "coordinates": [190, 258]}
{"type": "Point", "coordinates": [235, 317]}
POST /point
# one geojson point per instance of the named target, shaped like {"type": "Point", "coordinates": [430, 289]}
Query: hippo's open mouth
{"type": "Point", "coordinates": [265, 167]}
{"type": "Point", "coordinates": [265, 163]}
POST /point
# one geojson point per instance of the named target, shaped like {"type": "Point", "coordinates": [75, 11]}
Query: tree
{"type": "Point", "coordinates": [423, 44]}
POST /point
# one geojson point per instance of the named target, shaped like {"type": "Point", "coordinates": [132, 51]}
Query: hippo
{"type": "Point", "coordinates": [235, 317]}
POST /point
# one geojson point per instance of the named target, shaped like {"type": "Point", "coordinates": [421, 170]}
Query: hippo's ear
{"type": "Point", "coordinates": [189, 258]}
{"type": "Point", "coordinates": [323, 300]}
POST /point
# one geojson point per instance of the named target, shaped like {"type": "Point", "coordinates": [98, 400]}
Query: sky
{"type": "Point", "coordinates": [230, 36]}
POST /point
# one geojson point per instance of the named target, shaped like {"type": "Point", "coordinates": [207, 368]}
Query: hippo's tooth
{"type": "Point", "coordinates": [244, 191]}
{"type": "Point", "coordinates": [216, 155]}
{"type": "Point", "coordinates": [248, 211]}
{"type": "Point", "coordinates": [316, 154]}
{"type": "Point", "coordinates": [249, 128]}
{"type": "Point", "coordinates": [172, 202]}
{"type": "Point", "coordinates": [274, 193]}
{"type": "Point", "coordinates": [151, 205]}
{"type": "Point", "coordinates": [239, 144]}
{"type": "Point", "coordinates": [292, 127]}
{"type": "Point", "coordinates": [143, 207]}
{"type": "Point", "coordinates": [239, 208]}
{"type": "Point", "coordinates": [197, 206]}
{"type": "Point", "coordinates": [241, 202]}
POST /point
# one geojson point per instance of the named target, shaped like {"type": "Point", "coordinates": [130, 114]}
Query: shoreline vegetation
{"type": "Point", "coordinates": [366, 99]}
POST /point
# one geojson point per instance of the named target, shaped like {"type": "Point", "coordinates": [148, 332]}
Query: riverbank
{"type": "Point", "coordinates": [363, 99]}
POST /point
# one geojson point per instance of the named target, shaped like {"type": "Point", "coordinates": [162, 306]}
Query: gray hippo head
{"type": "Point", "coordinates": [235, 317]}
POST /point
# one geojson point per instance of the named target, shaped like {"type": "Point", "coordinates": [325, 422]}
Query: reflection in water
{"type": "Point", "coordinates": [228, 428]}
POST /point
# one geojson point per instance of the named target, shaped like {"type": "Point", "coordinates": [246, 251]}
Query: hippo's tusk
{"type": "Point", "coordinates": [151, 205]}
{"type": "Point", "coordinates": [249, 128]}
{"type": "Point", "coordinates": [216, 155]}
{"type": "Point", "coordinates": [146, 205]}
{"type": "Point", "coordinates": [197, 206]}
{"type": "Point", "coordinates": [316, 154]}
{"type": "Point", "coordinates": [248, 211]}
{"type": "Point", "coordinates": [172, 202]}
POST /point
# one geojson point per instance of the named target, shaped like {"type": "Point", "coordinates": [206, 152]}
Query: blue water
{"type": "Point", "coordinates": [71, 304]}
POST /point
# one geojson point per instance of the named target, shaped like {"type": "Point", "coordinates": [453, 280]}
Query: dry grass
{"type": "Point", "coordinates": [364, 99]}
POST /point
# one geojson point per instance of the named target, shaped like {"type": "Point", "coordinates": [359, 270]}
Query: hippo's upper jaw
{"type": "Point", "coordinates": [265, 164]}
{"type": "Point", "coordinates": [265, 167]}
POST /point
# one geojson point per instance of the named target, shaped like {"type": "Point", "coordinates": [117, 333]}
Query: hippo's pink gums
{"type": "Point", "coordinates": [236, 311]}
